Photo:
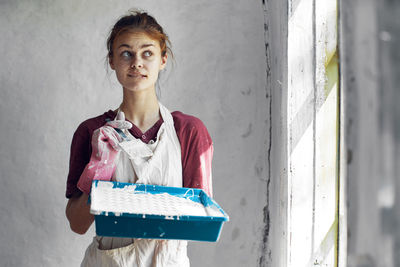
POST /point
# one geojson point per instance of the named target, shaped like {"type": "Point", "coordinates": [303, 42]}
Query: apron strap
{"type": "Point", "coordinates": [166, 115]}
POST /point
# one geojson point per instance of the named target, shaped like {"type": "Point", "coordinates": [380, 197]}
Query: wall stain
{"type": "Point", "coordinates": [258, 169]}
{"type": "Point", "coordinates": [246, 92]}
{"type": "Point", "coordinates": [243, 202]}
{"type": "Point", "coordinates": [235, 233]}
{"type": "Point", "coordinates": [248, 131]}
{"type": "Point", "coordinates": [349, 156]}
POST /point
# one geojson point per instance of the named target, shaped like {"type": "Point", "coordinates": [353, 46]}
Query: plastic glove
{"type": "Point", "coordinates": [105, 151]}
{"type": "Point", "coordinates": [120, 122]}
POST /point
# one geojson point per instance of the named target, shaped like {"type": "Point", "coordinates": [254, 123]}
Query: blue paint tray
{"type": "Point", "coordinates": [155, 212]}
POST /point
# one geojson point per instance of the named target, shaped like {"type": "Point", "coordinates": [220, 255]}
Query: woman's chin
{"type": "Point", "coordinates": [138, 89]}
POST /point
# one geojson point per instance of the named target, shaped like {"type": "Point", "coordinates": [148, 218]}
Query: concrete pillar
{"type": "Point", "coordinates": [370, 73]}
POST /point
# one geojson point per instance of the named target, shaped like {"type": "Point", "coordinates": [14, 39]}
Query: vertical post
{"type": "Point", "coordinates": [274, 250]}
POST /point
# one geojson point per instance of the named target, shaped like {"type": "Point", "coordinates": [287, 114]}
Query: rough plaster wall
{"type": "Point", "coordinates": [370, 45]}
{"type": "Point", "coordinates": [53, 77]}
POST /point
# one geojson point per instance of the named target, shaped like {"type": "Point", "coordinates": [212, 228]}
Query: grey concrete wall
{"type": "Point", "coordinates": [53, 76]}
{"type": "Point", "coordinates": [370, 42]}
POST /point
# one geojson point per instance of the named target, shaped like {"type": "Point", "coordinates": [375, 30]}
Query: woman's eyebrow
{"type": "Point", "coordinates": [130, 47]}
{"type": "Point", "coordinates": [124, 45]}
{"type": "Point", "coordinates": [146, 45]}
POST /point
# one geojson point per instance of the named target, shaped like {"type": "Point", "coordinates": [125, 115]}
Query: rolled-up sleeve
{"type": "Point", "coordinates": [79, 157]}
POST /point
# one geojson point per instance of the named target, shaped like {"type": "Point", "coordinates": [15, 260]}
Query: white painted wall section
{"type": "Point", "coordinates": [300, 139]}
{"type": "Point", "coordinates": [313, 133]}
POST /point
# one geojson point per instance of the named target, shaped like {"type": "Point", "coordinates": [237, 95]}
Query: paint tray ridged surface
{"type": "Point", "coordinates": [155, 212]}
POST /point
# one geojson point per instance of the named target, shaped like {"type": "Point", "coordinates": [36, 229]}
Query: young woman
{"type": "Point", "coordinates": [170, 149]}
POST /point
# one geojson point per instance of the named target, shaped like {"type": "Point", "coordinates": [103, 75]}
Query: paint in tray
{"type": "Point", "coordinates": [152, 211]}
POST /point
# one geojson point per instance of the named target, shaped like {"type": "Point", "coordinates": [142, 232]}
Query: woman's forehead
{"type": "Point", "coordinates": [134, 39]}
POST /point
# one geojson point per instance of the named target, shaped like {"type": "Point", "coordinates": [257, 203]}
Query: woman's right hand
{"type": "Point", "coordinates": [102, 162]}
{"type": "Point", "coordinates": [105, 149]}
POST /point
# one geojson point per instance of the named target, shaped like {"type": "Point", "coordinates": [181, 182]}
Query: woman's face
{"type": "Point", "coordinates": [137, 60]}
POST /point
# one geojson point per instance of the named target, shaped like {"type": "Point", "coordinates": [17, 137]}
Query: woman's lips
{"type": "Point", "coordinates": [136, 75]}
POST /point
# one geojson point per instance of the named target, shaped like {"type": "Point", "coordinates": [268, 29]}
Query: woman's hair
{"type": "Point", "coordinates": [142, 22]}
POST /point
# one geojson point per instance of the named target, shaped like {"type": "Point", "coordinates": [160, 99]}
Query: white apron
{"type": "Point", "coordinates": [157, 163]}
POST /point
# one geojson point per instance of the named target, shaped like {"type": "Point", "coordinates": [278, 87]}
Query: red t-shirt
{"type": "Point", "coordinates": [196, 148]}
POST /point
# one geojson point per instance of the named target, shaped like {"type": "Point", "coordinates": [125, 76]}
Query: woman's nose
{"type": "Point", "coordinates": [137, 63]}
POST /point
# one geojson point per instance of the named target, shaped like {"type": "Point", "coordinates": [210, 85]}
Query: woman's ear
{"type": "Point", "coordinates": [163, 61]}
{"type": "Point", "coordinates": [110, 61]}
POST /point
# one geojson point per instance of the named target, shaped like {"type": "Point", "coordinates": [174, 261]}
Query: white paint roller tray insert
{"type": "Point", "coordinates": [156, 212]}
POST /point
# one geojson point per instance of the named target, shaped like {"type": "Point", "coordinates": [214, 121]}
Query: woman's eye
{"type": "Point", "coordinates": [147, 53]}
{"type": "Point", "coordinates": [126, 55]}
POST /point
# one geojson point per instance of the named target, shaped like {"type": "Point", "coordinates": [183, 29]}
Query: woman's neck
{"type": "Point", "coordinates": [141, 108]}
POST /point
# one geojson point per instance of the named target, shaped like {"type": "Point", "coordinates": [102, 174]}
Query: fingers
{"type": "Point", "coordinates": [108, 135]}
{"type": "Point", "coordinates": [111, 136]}
{"type": "Point", "coordinates": [120, 122]}
{"type": "Point", "coordinates": [120, 116]}
{"type": "Point", "coordinates": [103, 137]}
